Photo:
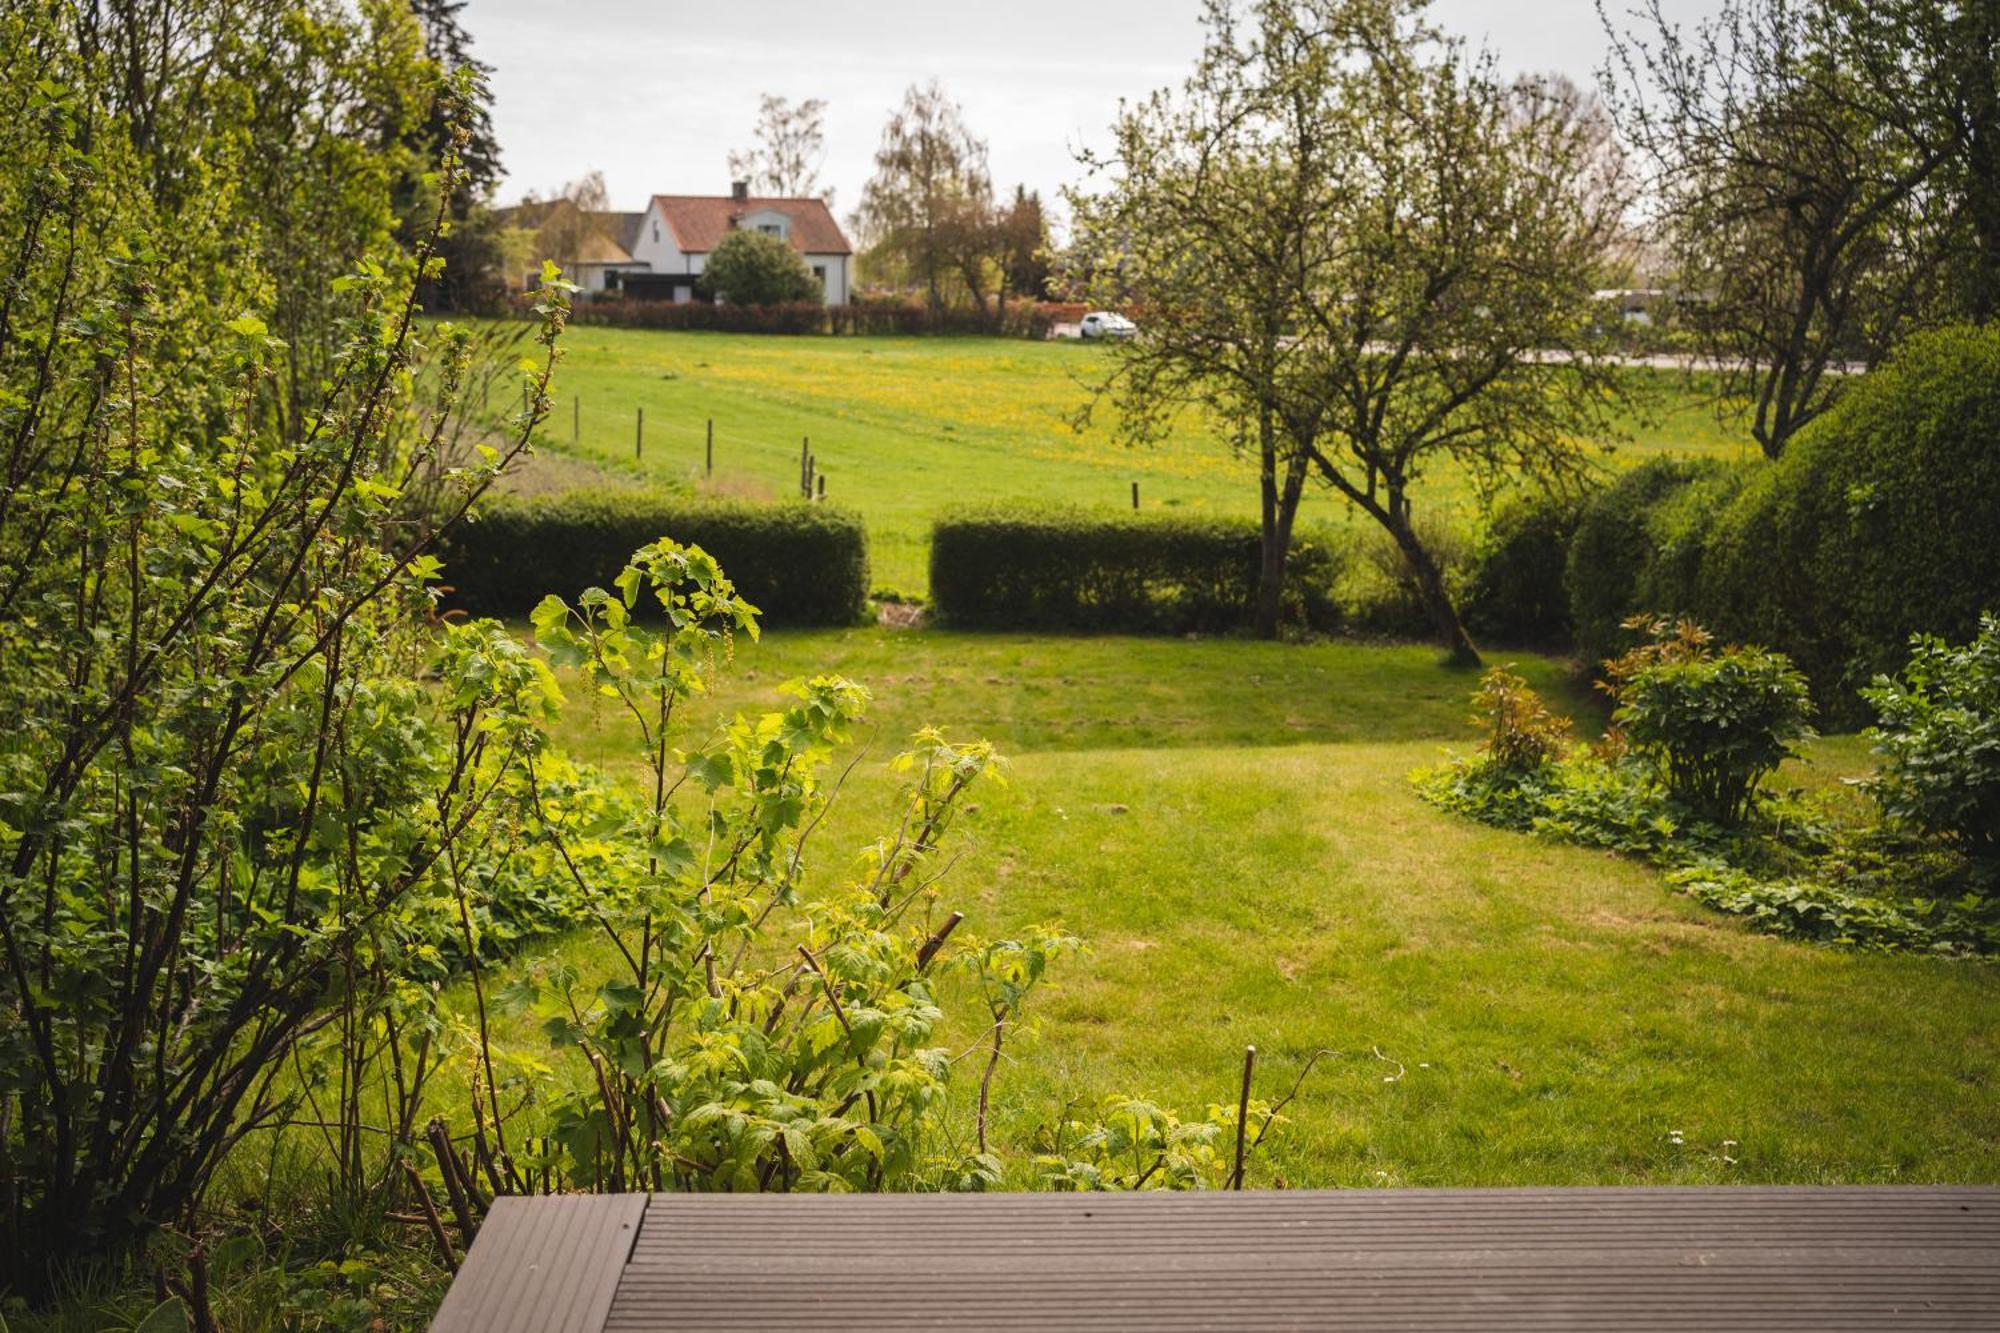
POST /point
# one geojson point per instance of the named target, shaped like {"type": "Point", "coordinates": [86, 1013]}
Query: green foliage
{"type": "Point", "coordinates": [1136, 1145]}
{"type": "Point", "coordinates": [1521, 733]}
{"type": "Point", "coordinates": [1515, 593]}
{"type": "Point", "coordinates": [1624, 541]}
{"type": "Point", "coordinates": [1939, 739]}
{"type": "Point", "coordinates": [1881, 521]}
{"type": "Point", "coordinates": [751, 268]}
{"type": "Point", "coordinates": [759, 1028]}
{"type": "Point", "coordinates": [1814, 909]}
{"type": "Point", "coordinates": [797, 563]}
{"type": "Point", "coordinates": [1789, 868]}
{"type": "Point", "coordinates": [1716, 722]}
{"type": "Point", "coordinates": [1796, 875]}
{"type": "Point", "coordinates": [229, 812]}
{"type": "Point", "coordinates": [1053, 567]}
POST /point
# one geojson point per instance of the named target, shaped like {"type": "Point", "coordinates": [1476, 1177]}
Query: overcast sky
{"type": "Point", "coordinates": [654, 93]}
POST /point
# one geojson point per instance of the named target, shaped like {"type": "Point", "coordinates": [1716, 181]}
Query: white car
{"type": "Point", "coordinates": [1106, 324]}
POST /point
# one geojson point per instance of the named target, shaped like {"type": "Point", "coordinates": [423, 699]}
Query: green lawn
{"type": "Point", "coordinates": [1230, 827]}
{"type": "Point", "coordinates": [904, 427]}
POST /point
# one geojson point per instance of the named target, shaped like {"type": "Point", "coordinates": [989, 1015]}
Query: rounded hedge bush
{"type": "Point", "coordinates": [797, 562]}
{"type": "Point", "coordinates": [1516, 593]}
{"type": "Point", "coordinates": [1881, 521]}
{"type": "Point", "coordinates": [1606, 574]}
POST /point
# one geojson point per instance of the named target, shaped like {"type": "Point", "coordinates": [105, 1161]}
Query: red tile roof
{"type": "Point", "coordinates": [699, 221]}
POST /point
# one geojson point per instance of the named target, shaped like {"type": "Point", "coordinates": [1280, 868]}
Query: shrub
{"type": "Point", "coordinates": [1613, 546]}
{"type": "Point", "coordinates": [1939, 739]}
{"type": "Point", "coordinates": [1715, 723]}
{"type": "Point", "coordinates": [1521, 733]}
{"type": "Point", "coordinates": [798, 563]}
{"type": "Point", "coordinates": [750, 268]}
{"type": "Point", "coordinates": [1033, 567]}
{"type": "Point", "coordinates": [1516, 591]}
{"type": "Point", "coordinates": [1881, 521]}
{"type": "Point", "coordinates": [1378, 590]}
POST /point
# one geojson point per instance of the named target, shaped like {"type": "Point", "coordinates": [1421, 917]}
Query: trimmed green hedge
{"type": "Point", "coordinates": [1044, 568]}
{"type": "Point", "coordinates": [1516, 593]}
{"type": "Point", "coordinates": [1637, 547]}
{"type": "Point", "coordinates": [798, 563]}
{"type": "Point", "coordinates": [1881, 521]}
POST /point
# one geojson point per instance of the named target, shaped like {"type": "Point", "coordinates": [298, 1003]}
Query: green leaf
{"type": "Point", "coordinates": [247, 326]}
{"type": "Point", "coordinates": [169, 1316]}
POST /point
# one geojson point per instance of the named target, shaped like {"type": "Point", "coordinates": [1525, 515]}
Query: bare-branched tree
{"type": "Point", "coordinates": [790, 147]}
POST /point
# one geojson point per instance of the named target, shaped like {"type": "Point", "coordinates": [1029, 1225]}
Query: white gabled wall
{"type": "Point", "coordinates": [657, 249]}
{"type": "Point", "coordinates": [836, 281]}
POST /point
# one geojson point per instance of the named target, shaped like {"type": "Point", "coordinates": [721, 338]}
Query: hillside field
{"type": "Point", "coordinates": [905, 427]}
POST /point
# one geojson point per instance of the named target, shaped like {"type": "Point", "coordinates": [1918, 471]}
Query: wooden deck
{"type": "Point", "coordinates": [1629, 1259]}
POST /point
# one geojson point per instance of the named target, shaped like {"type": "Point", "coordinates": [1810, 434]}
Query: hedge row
{"type": "Point", "coordinates": [1022, 319]}
{"type": "Point", "coordinates": [1055, 568]}
{"type": "Point", "coordinates": [798, 563]}
{"type": "Point", "coordinates": [1881, 520]}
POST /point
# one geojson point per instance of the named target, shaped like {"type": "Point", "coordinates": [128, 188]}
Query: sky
{"type": "Point", "coordinates": [654, 93]}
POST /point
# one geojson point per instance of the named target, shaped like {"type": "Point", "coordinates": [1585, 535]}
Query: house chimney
{"type": "Point", "coordinates": [739, 191]}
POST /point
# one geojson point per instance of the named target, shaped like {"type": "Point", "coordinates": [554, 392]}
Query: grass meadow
{"type": "Point", "coordinates": [905, 427]}
{"type": "Point", "coordinates": [1229, 826]}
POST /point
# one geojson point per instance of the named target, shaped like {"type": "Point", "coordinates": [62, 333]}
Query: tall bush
{"type": "Point", "coordinates": [1938, 736]}
{"type": "Point", "coordinates": [750, 268]}
{"type": "Point", "coordinates": [1613, 569]}
{"type": "Point", "coordinates": [1881, 521]}
{"type": "Point", "coordinates": [1516, 592]}
{"type": "Point", "coordinates": [799, 563]}
{"type": "Point", "coordinates": [1716, 722]}
{"type": "Point", "coordinates": [222, 792]}
{"type": "Point", "coordinates": [1054, 567]}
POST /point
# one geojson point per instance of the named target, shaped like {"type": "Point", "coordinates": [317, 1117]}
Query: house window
{"type": "Point", "coordinates": [770, 229]}
{"type": "Point", "coordinates": [656, 233]}
{"type": "Point", "coordinates": [819, 271]}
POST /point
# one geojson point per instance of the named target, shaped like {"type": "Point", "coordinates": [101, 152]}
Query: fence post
{"type": "Point", "coordinates": [805, 466]}
{"type": "Point", "coordinates": [576, 420]}
{"type": "Point", "coordinates": [639, 436]}
{"type": "Point", "coordinates": [709, 466]}
{"type": "Point", "coordinates": [1135, 495]}
{"type": "Point", "coordinates": [822, 485]}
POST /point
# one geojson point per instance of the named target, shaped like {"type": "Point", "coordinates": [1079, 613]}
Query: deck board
{"type": "Point", "coordinates": [550, 1265]}
{"type": "Point", "coordinates": [1639, 1259]}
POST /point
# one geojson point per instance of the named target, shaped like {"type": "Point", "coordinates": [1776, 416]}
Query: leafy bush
{"type": "Point", "coordinates": [1607, 574]}
{"type": "Point", "coordinates": [1516, 593]}
{"type": "Point", "coordinates": [1939, 739]}
{"type": "Point", "coordinates": [1521, 733]}
{"type": "Point", "coordinates": [1881, 521]}
{"type": "Point", "coordinates": [751, 268]}
{"type": "Point", "coordinates": [1035, 567]}
{"type": "Point", "coordinates": [1716, 722]}
{"type": "Point", "coordinates": [1378, 592]}
{"type": "Point", "coordinates": [802, 564]}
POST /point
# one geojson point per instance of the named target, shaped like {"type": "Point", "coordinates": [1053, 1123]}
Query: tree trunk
{"type": "Point", "coordinates": [1280, 508]}
{"type": "Point", "coordinates": [1430, 587]}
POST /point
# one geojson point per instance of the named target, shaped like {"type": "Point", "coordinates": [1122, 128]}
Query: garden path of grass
{"type": "Point", "coordinates": [903, 428]}
{"type": "Point", "coordinates": [1230, 827]}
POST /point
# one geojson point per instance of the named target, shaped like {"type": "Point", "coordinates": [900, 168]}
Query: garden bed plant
{"type": "Point", "coordinates": [1682, 779]}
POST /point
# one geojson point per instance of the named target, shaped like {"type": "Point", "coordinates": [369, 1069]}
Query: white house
{"type": "Point", "coordinates": [677, 232]}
